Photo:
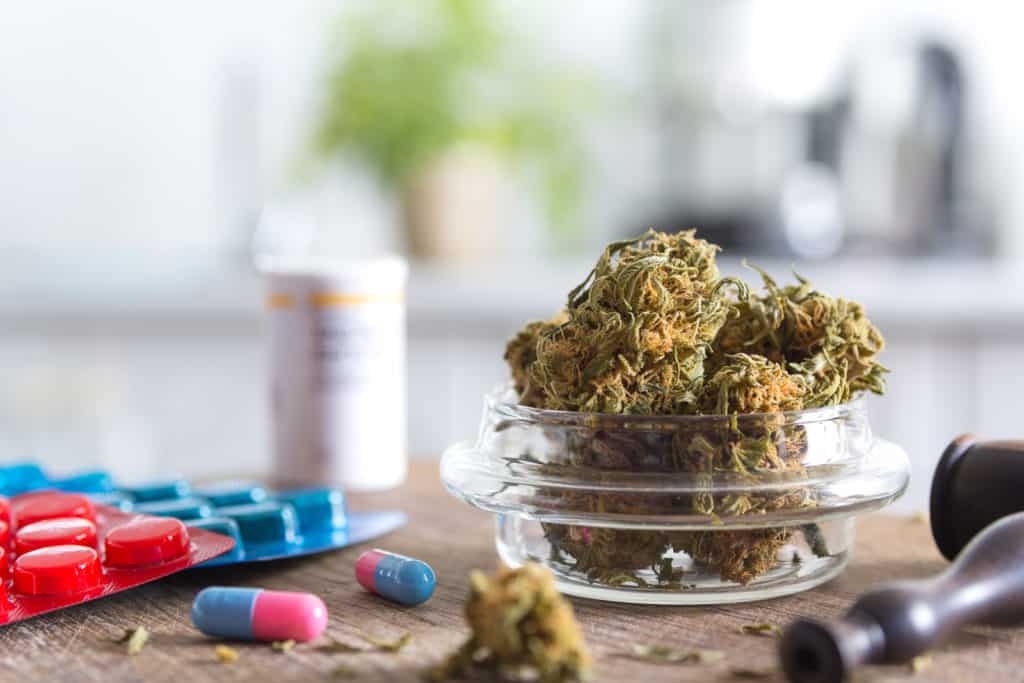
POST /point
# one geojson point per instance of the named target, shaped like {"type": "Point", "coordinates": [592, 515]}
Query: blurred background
{"type": "Point", "coordinates": [150, 151]}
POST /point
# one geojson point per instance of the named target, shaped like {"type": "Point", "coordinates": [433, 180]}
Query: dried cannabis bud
{"type": "Point", "coordinates": [750, 384]}
{"type": "Point", "coordinates": [740, 556]}
{"type": "Point", "coordinates": [637, 331]}
{"type": "Point", "coordinates": [828, 342]}
{"type": "Point", "coordinates": [654, 330]}
{"type": "Point", "coordinates": [519, 622]}
{"type": "Point", "coordinates": [521, 352]}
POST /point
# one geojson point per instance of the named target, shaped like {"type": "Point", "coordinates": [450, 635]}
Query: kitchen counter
{"type": "Point", "coordinates": [221, 289]}
{"type": "Point", "coordinates": [77, 644]}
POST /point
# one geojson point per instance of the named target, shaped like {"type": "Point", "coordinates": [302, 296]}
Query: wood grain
{"type": "Point", "coordinates": [77, 644]}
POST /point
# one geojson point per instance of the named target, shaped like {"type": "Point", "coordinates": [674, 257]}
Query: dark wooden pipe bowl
{"type": "Point", "coordinates": [977, 516]}
{"type": "Point", "coordinates": [975, 483]}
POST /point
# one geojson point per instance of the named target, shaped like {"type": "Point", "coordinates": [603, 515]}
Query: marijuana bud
{"type": "Point", "coordinates": [521, 352]}
{"type": "Point", "coordinates": [519, 622]}
{"type": "Point", "coordinates": [829, 343]}
{"type": "Point", "coordinates": [638, 329]}
{"type": "Point", "coordinates": [750, 384]}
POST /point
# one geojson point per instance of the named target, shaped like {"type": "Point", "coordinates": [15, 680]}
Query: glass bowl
{"type": "Point", "coordinates": [676, 509]}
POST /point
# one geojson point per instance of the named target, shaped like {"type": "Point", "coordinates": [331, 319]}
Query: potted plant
{"type": "Point", "coordinates": [438, 99]}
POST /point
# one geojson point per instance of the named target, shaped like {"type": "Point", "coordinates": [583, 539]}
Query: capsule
{"type": "Point", "coordinates": [258, 614]}
{"type": "Point", "coordinates": [187, 508]}
{"type": "Point", "coordinates": [96, 481]}
{"type": "Point", "coordinates": [395, 577]}
{"type": "Point", "coordinates": [159, 490]}
{"type": "Point", "coordinates": [21, 478]}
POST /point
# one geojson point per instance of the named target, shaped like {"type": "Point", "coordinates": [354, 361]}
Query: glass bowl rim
{"type": "Point", "coordinates": [870, 473]}
{"type": "Point", "coordinates": [495, 404]}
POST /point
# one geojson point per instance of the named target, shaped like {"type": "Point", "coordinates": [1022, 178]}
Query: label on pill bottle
{"type": "Point", "coordinates": [338, 392]}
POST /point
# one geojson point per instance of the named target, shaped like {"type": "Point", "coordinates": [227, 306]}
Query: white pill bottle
{"type": "Point", "coordinates": [337, 371]}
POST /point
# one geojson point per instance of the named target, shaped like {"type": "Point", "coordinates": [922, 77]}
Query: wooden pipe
{"type": "Point", "coordinates": [985, 585]}
{"type": "Point", "coordinates": [975, 483]}
{"type": "Point", "coordinates": [977, 487]}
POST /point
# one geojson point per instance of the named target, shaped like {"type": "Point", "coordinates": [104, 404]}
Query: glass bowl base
{"type": "Point", "coordinates": [520, 540]}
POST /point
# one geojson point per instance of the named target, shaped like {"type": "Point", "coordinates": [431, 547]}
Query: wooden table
{"type": "Point", "coordinates": [77, 644]}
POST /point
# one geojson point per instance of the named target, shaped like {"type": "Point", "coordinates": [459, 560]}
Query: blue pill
{"type": "Point", "coordinates": [162, 490]}
{"type": "Point", "coordinates": [225, 493]}
{"type": "Point", "coordinates": [115, 499]}
{"type": "Point", "coordinates": [182, 508]}
{"type": "Point", "coordinates": [22, 478]}
{"type": "Point", "coordinates": [264, 523]}
{"type": "Point", "coordinates": [227, 527]}
{"type": "Point", "coordinates": [318, 510]}
{"type": "Point", "coordinates": [86, 482]}
{"type": "Point", "coordinates": [395, 577]}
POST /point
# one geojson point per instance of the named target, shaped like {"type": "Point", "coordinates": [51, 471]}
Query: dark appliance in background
{"type": "Point", "coordinates": [877, 168]}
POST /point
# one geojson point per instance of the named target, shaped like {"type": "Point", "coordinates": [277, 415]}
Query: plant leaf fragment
{"type": "Point", "coordinates": [388, 645]}
{"type": "Point", "coordinates": [226, 654]}
{"type": "Point", "coordinates": [663, 654]}
{"type": "Point", "coordinates": [920, 663]}
{"type": "Point", "coordinates": [342, 672]}
{"type": "Point", "coordinates": [337, 647]}
{"type": "Point", "coordinates": [284, 646]}
{"type": "Point", "coordinates": [136, 640]}
{"type": "Point", "coordinates": [752, 673]}
{"type": "Point", "coordinates": [770, 630]}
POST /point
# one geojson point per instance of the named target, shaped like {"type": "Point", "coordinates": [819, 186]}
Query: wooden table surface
{"type": "Point", "coordinates": [77, 644]}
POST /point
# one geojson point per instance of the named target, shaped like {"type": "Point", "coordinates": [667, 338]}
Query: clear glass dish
{"type": "Point", "coordinates": [676, 509]}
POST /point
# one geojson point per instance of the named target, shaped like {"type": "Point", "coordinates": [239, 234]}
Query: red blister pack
{"type": "Point", "coordinates": [59, 549]}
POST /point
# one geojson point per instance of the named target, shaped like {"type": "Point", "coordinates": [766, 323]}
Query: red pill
{"type": "Point", "coordinates": [51, 505]}
{"type": "Point", "coordinates": [5, 534]}
{"type": "Point", "coordinates": [3, 565]}
{"type": "Point", "coordinates": [144, 541]}
{"type": "Point", "coordinates": [60, 531]}
{"type": "Point", "coordinates": [5, 510]}
{"type": "Point", "coordinates": [59, 569]}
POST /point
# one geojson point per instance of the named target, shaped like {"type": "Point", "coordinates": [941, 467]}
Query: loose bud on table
{"type": "Point", "coordinates": [395, 577]}
{"type": "Point", "coordinates": [257, 614]}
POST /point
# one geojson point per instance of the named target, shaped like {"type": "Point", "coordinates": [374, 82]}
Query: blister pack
{"type": "Point", "coordinates": [266, 524]}
{"type": "Point", "coordinates": [60, 549]}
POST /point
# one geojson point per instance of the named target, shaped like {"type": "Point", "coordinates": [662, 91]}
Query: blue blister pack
{"type": "Point", "coordinates": [266, 525]}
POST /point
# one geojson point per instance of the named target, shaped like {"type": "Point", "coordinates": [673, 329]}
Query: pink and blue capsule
{"type": "Point", "coordinates": [398, 578]}
{"type": "Point", "coordinates": [258, 614]}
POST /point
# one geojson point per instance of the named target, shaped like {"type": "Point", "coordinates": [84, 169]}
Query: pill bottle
{"type": "Point", "coordinates": [337, 370]}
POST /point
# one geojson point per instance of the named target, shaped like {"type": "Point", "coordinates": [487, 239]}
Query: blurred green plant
{"type": "Point", "coordinates": [412, 80]}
